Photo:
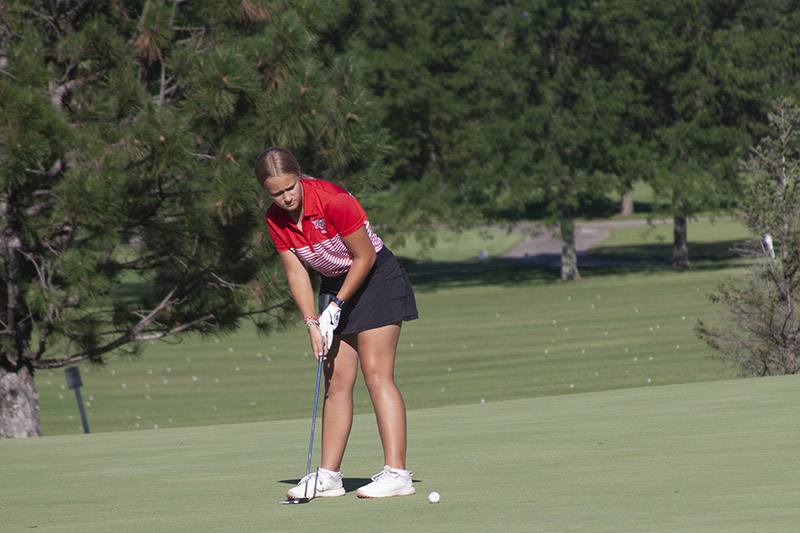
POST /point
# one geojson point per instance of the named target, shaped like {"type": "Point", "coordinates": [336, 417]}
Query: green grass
{"type": "Point", "coordinates": [700, 232]}
{"type": "Point", "coordinates": [496, 339]}
{"type": "Point", "coordinates": [700, 457]}
{"type": "Point", "coordinates": [709, 241]}
{"type": "Point", "coordinates": [488, 331]}
{"type": "Point", "coordinates": [452, 245]}
{"type": "Point", "coordinates": [644, 202]}
{"type": "Point", "coordinates": [534, 405]}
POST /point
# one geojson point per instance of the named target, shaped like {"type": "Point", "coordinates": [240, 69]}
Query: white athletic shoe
{"type": "Point", "coordinates": [388, 482]}
{"type": "Point", "coordinates": [329, 484]}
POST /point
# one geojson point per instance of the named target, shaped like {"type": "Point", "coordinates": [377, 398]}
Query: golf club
{"type": "Point", "coordinates": [305, 498]}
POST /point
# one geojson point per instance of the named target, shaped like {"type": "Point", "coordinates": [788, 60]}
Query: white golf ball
{"type": "Point", "coordinates": [433, 497]}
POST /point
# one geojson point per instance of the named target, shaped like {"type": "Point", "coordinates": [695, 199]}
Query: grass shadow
{"type": "Point", "coordinates": [545, 268]}
{"type": "Point", "coordinates": [431, 275]}
{"type": "Point", "coordinates": [722, 251]}
{"type": "Point", "coordinates": [350, 484]}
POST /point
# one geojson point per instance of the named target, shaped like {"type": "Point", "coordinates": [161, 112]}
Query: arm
{"type": "Point", "coordinates": [363, 258]}
{"type": "Point", "coordinates": [303, 294]}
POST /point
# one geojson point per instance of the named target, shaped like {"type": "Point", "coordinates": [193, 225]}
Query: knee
{"type": "Point", "coordinates": [339, 389]}
{"type": "Point", "coordinates": [377, 382]}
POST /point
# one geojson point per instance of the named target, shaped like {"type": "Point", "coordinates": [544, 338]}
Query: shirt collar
{"type": "Point", "coordinates": [311, 207]}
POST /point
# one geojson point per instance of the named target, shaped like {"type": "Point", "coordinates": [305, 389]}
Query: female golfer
{"type": "Point", "coordinates": [316, 222]}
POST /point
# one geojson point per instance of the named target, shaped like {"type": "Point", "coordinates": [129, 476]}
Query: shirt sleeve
{"type": "Point", "coordinates": [345, 214]}
{"type": "Point", "coordinates": [274, 232]}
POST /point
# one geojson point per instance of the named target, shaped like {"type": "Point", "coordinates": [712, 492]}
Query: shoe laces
{"type": "Point", "coordinates": [385, 476]}
{"type": "Point", "coordinates": [311, 478]}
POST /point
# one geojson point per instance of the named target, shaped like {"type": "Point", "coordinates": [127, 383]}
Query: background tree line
{"type": "Point", "coordinates": [504, 107]}
{"type": "Point", "coordinates": [128, 130]}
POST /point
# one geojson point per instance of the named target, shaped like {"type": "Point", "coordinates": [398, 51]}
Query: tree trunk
{"type": "Point", "coordinates": [626, 206]}
{"type": "Point", "coordinates": [680, 249]}
{"type": "Point", "coordinates": [19, 404]}
{"type": "Point", "coordinates": [569, 256]}
{"type": "Point", "coordinates": [790, 363]}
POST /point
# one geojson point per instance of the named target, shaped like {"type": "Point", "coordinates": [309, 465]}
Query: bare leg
{"type": "Point", "coordinates": [341, 370]}
{"type": "Point", "coordinates": [377, 349]}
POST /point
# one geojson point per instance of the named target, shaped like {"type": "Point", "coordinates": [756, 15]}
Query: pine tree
{"type": "Point", "coordinates": [128, 206]}
{"type": "Point", "coordinates": [759, 331]}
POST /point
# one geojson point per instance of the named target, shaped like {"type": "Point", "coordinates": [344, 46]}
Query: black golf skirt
{"type": "Point", "coordinates": [384, 298]}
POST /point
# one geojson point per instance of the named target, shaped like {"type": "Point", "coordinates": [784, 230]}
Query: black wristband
{"type": "Point", "coordinates": [338, 302]}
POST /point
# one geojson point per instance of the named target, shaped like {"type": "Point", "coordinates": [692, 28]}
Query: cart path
{"type": "Point", "coordinates": [542, 246]}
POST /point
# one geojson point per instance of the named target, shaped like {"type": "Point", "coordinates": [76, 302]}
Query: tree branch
{"type": "Point", "coordinates": [6, 73]}
{"type": "Point", "coordinates": [131, 335]}
{"type": "Point", "coordinates": [177, 329]}
{"type": "Point", "coordinates": [57, 91]}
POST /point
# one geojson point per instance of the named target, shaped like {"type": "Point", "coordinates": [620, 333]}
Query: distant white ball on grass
{"type": "Point", "coordinates": [434, 497]}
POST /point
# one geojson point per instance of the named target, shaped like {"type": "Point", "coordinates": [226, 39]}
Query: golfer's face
{"type": "Point", "coordinates": [285, 191]}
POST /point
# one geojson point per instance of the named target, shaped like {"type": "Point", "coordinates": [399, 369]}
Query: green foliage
{"type": "Point", "coordinates": [428, 71]}
{"type": "Point", "coordinates": [699, 70]}
{"type": "Point", "coordinates": [502, 105]}
{"type": "Point", "coordinates": [500, 108]}
{"type": "Point", "coordinates": [760, 328]}
{"type": "Point", "coordinates": [126, 145]}
{"type": "Point", "coordinates": [772, 178]}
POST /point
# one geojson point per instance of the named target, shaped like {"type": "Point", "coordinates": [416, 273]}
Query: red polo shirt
{"type": "Point", "coordinates": [329, 212]}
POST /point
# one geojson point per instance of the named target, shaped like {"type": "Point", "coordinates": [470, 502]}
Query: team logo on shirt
{"type": "Point", "coordinates": [319, 225]}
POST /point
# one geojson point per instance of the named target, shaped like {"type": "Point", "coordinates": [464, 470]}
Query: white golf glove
{"type": "Point", "coordinates": [328, 321]}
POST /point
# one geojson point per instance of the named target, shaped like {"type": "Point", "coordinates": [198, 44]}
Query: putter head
{"type": "Point", "coordinates": [304, 499]}
{"type": "Point", "coordinates": [296, 500]}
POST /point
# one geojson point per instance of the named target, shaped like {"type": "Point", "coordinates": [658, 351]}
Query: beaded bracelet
{"type": "Point", "coordinates": [310, 320]}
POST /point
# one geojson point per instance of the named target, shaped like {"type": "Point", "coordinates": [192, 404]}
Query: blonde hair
{"type": "Point", "coordinates": [275, 161]}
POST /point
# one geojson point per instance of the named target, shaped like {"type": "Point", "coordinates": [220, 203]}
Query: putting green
{"type": "Point", "coordinates": [716, 456]}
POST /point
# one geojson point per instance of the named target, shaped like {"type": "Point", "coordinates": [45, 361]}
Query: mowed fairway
{"type": "Point", "coordinates": [534, 405]}
{"type": "Point", "coordinates": [716, 456]}
{"type": "Point", "coordinates": [492, 339]}
{"type": "Point", "coordinates": [488, 331]}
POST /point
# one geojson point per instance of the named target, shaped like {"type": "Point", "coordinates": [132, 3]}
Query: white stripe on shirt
{"type": "Point", "coordinates": [331, 258]}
